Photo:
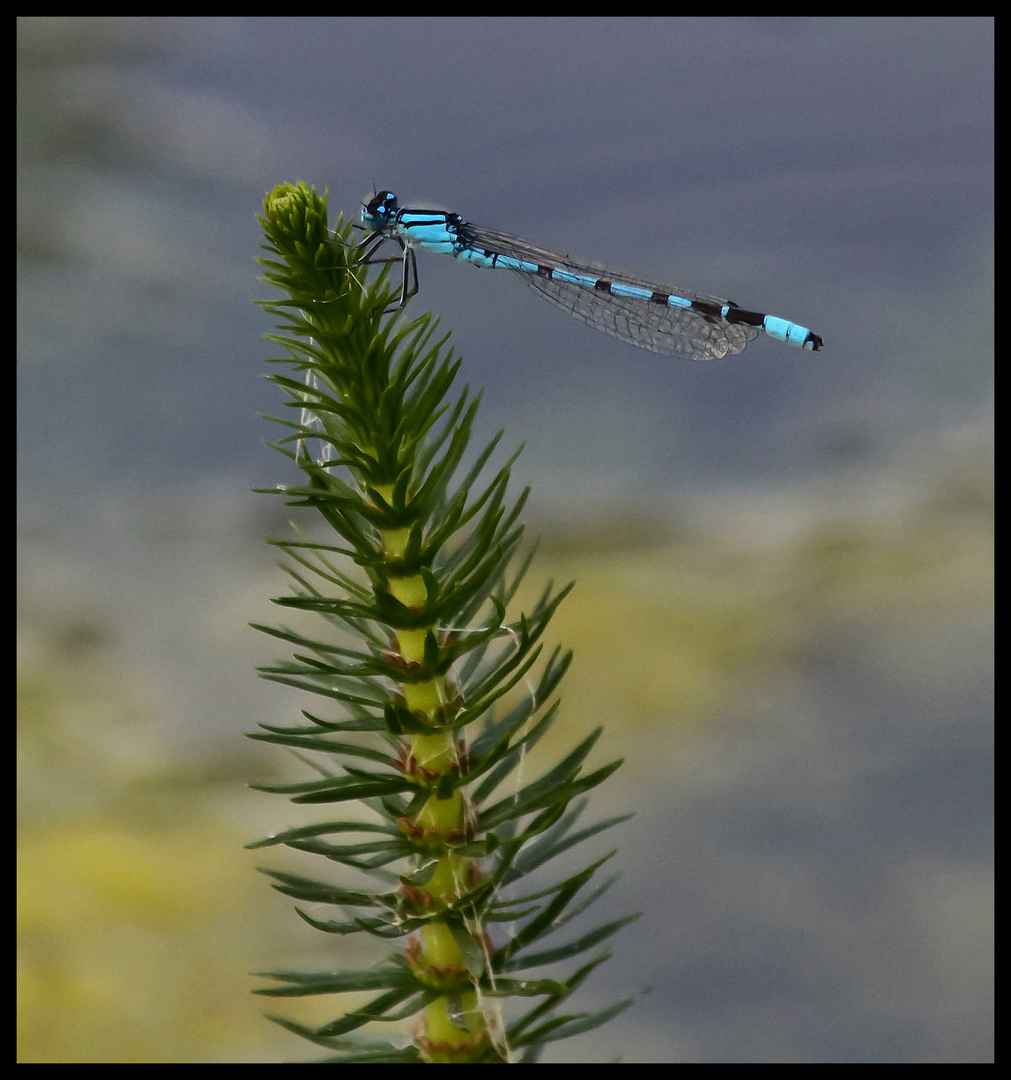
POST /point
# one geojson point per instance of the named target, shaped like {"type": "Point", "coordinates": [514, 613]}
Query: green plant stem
{"type": "Point", "coordinates": [430, 659]}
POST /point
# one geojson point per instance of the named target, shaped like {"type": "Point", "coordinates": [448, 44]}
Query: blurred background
{"type": "Point", "coordinates": [783, 610]}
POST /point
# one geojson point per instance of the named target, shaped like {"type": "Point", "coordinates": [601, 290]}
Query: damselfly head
{"type": "Point", "coordinates": [379, 209]}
